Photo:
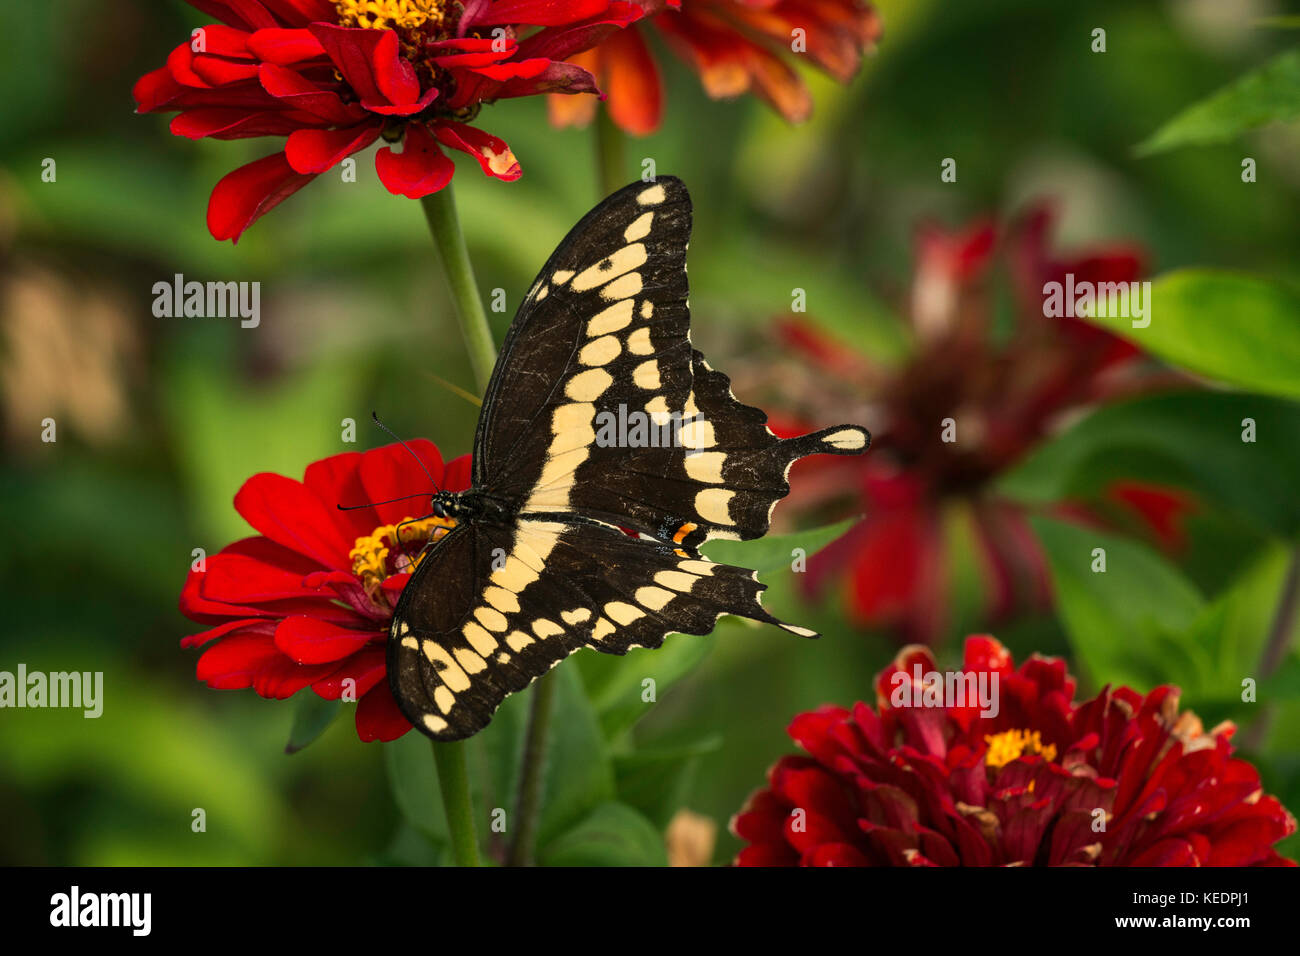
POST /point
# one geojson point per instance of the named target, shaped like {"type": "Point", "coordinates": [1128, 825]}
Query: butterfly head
{"type": "Point", "coordinates": [446, 504]}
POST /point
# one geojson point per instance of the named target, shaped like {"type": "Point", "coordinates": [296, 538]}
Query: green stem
{"type": "Point", "coordinates": [444, 223]}
{"type": "Point", "coordinates": [611, 165]}
{"type": "Point", "coordinates": [1275, 651]}
{"type": "Point", "coordinates": [453, 781]}
{"type": "Point", "coordinates": [528, 803]}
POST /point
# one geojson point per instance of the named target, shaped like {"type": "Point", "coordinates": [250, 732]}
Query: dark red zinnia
{"type": "Point", "coordinates": [1120, 779]}
{"type": "Point", "coordinates": [334, 77]}
{"type": "Point", "coordinates": [969, 402]}
{"type": "Point", "coordinates": [736, 47]}
{"type": "Point", "coordinates": [308, 600]}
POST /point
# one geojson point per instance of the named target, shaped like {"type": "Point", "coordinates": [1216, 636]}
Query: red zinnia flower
{"type": "Point", "coordinates": [1118, 780]}
{"type": "Point", "coordinates": [335, 76]}
{"type": "Point", "coordinates": [307, 602]}
{"type": "Point", "coordinates": [736, 46]}
{"type": "Point", "coordinates": [1000, 393]}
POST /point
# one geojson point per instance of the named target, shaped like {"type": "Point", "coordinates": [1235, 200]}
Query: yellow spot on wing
{"type": "Point", "coordinates": [479, 639]}
{"type": "Point", "coordinates": [640, 227]}
{"type": "Point", "coordinates": [623, 613]}
{"type": "Point", "coordinates": [624, 260]}
{"type": "Point", "coordinates": [600, 351]}
{"type": "Point", "coordinates": [653, 598]}
{"type": "Point", "coordinates": [449, 670]}
{"type": "Point", "coordinates": [713, 505]}
{"type": "Point", "coordinates": [622, 288]}
{"type": "Point", "coordinates": [652, 196]}
{"type": "Point", "coordinates": [612, 319]}
{"type": "Point", "coordinates": [589, 385]}
{"type": "Point", "coordinates": [576, 616]}
{"type": "Point", "coordinates": [676, 580]}
{"type": "Point", "coordinates": [706, 466]}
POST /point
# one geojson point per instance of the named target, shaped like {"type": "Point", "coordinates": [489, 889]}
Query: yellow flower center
{"type": "Point", "coordinates": [1010, 744]}
{"type": "Point", "coordinates": [400, 15]}
{"type": "Point", "coordinates": [379, 555]}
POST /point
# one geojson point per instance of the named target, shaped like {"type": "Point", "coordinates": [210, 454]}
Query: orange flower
{"type": "Point", "coordinates": [736, 46]}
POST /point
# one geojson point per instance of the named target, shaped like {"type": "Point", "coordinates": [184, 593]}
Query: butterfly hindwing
{"type": "Point", "coordinates": [722, 480]}
{"type": "Point", "coordinates": [539, 595]}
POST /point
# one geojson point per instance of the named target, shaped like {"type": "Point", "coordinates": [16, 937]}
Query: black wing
{"type": "Point", "coordinates": [537, 593]}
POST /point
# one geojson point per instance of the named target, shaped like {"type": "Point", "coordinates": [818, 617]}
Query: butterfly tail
{"type": "Point", "coordinates": [836, 440]}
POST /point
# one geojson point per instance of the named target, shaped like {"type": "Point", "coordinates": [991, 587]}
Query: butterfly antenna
{"type": "Point", "coordinates": [375, 416]}
{"type": "Point", "coordinates": [371, 504]}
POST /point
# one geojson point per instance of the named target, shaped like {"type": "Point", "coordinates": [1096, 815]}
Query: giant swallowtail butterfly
{"type": "Point", "coordinates": [537, 566]}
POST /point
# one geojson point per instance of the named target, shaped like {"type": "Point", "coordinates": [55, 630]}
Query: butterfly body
{"type": "Point", "coordinates": [540, 563]}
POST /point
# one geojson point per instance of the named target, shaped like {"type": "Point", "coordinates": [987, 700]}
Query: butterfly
{"type": "Point", "coordinates": [600, 417]}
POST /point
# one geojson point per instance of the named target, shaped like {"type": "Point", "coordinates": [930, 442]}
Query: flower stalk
{"type": "Point", "coordinates": [444, 223]}
{"type": "Point", "coordinates": [453, 781]}
{"type": "Point", "coordinates": [611, 164]}
{"type": "Point", "coordinates": [528, 803]}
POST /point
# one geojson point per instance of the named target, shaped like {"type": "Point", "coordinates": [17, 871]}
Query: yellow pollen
{"type": "Point", "coordinates": [370, 555]}
{"type": "Point", "coordinates": [1011, 744]}
{"type": "Point", "coordinates": [398, 15]}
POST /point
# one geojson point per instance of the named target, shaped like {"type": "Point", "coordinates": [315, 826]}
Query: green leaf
{"type": "Point", "coordinates": [311, 716]}
{"type": "Point", "coordinates": [655, 782]}
{"type": "Point", "coordinates": [613, 834]}
{"type": "Point", "coordinates": [414, 783]}
{"type": "Point", "coordinates": [616, 684]}
{"type": "Point", "coordinates": [774, 552]}
{"type": "Point", "coordinates": [1189, 439]}
{"type": "Point", "coordinates": [578, 772]}
{"type": "Point", "coordinates": [1233, 327]}
{"type": "Point", "coordinates": [577, 775]}
{"type": "Point", "coordinates": [1267, 95]}
{"type": "Point", "coordinates": [1123, 623]}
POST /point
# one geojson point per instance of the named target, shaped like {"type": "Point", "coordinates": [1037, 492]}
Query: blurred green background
{"type": "Point", "coordinates": [160, 420]}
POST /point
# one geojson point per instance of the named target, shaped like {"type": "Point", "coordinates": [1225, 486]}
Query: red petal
{"type": "Point", "coordinates": [233, 661]}
{"type": "Point", "coordinates": [222, 72]}
{"type": "Point", "coordinates": [421, 168]}
{"type": "Point", "coordinates": [284, 47]}
{"type": "Point", "coordinates": [390, 471]}
{"type": "Point", "coordinates": [316, 150]}
{"type": "Point", "coordinates": [230, 123]}
{"type": "Point", "coordinates": [544, 13]}
{"type": "Point", "coordinates": [293, 89]}
{"type": "Point", "coordinates": [242, 14]}
{"type": "Point", "coordinates": [250, 192]}
{"type": "Point", "coordinates": [337, 481]}
{"type": "Point", "coordinates": [493, 155]}
{"type": "Point", "coordinates": [371, 62]}
{"type": "Point", "coordinates": [287, 512]}
{"type": "Point", "coordinates": [378, 717]}
{"type": "Point", "coordinates": [457, 475]}
{"type": "Point", "coordinates": [308, 640]}
{"type": "Point", "coordinates": [367, 667]}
